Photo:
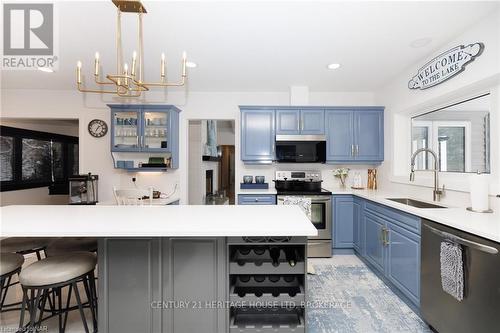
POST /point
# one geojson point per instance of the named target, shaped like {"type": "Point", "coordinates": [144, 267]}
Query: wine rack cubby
{"type": "Point", "coordinates": [266, 259]}
{"type": "Point", "coordinates": [267, 283]}
{"type": "Point", "coordinates": [276, 320]}
{"type": "Point", "coordinates": [280, 289]}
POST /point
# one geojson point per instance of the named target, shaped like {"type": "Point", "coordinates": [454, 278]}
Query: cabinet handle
{"type": "Point", "coordinates": [256, 199]}
{"type": "Point", "coordinates": [301, 125]}
{"type": "Point", "coordinates": [386, 237]}
{"type": "Point", "coordinates": [357, 150]}
{"type": "Point", "coordinates": [352, 150]}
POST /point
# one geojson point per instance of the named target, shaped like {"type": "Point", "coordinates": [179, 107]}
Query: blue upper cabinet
{"type": "Point", "coordinates": [145, 128]}
{"type": "Point", "coordinates": [355, 135]}
{"type": "Point", "coordinates": [369, 135]}
{"type": "Point", "coordinates": [296, 121]}
{"type": "Point", "coordinates": [339, 135]}
{"type": "Point", "coordinates": [287, 122]}
{"type": "Point", "coordinates": [312, 122]}
{"type": "Point", "coordinates": [257, 135]}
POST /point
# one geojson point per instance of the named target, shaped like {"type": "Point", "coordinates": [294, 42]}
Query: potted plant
{"type": "Point", "coordinates": [341, 173]}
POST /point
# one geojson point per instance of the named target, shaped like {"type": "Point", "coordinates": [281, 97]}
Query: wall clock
{"type": "Point", "coordinates": [98, 128]}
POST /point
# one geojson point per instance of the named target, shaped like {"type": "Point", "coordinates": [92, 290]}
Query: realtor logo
{"type": "Point", "coordinates": [28, 36]}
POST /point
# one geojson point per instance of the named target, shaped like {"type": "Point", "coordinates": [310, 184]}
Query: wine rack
{"type": "Point", "coordinates": [267, 283]}
{"type": "Point", "coordinates": [266, 259]}
{"type": "Point", "coordinates": [283, 289]}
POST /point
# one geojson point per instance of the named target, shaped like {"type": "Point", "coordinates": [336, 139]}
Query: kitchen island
{"type": "Point", "coordinates": [186, 268]}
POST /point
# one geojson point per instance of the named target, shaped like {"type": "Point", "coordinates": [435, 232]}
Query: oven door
{"type": "Point", "coordinates": [321, 214]}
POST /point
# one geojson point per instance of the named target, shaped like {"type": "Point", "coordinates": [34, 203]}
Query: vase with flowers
{"type": "Point", "coordinates": [341, 174]}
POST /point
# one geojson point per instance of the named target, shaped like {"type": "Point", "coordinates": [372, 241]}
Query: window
{"type": "Point", "coordinates": [7, 158]}
{"type": "Point", "coordinates": [459, 134]}
{"type": "Point", "coordinates": [31, 159]}
{"type": "Point", "coordinates": [451, 140]}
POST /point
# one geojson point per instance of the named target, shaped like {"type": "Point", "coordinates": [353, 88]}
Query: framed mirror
{"type": "Point", "coordinates": [459, 134]}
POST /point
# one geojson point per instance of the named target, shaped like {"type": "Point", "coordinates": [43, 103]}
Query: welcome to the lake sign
{"type": "Point", "coordinates": [445, 66]}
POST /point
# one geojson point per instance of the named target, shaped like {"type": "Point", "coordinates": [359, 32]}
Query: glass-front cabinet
{"type": "Point", "coordinates": [126, 130]}
{"type": "Point", "coordinates": [145, 128]}
{"type": "Point", "coordinates": [155, 129]}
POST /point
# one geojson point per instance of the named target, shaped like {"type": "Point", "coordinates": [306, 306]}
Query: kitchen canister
{"type": "Point", "coordinates": [479, 188]}
{"type": "Point", "coordinates": [248, 179]}
{"type": "Point", "coordinates": [260, 179]}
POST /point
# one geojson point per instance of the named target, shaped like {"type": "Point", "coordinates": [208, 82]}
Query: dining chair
{"type": "Point", "coordinates": [133, 196]}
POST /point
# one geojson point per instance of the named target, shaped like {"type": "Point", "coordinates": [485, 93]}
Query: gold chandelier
{"type": "Point", "coordinates": [128, 83]}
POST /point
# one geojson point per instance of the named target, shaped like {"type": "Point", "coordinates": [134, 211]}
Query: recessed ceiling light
{"type": "Point", "coordinates": [333, 66]}
{"type": "Point", "coordinates": [46, 69]}
{"type": "Point", "coordinates": [191, 64]}
{"type": "Point", "coordinates": [421, 42]}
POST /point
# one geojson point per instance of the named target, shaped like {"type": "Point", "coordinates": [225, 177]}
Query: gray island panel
{"type": "Point", "coordinates": [162, 285]}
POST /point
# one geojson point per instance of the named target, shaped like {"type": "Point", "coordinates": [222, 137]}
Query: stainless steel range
{"type": "Point", "coordinates": [308, 184]}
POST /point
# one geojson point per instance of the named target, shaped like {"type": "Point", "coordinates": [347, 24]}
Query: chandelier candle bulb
{"type": "Point", "coordinates": [184, 59]}
{"type": "Point", "coordinates": [79, 72]}
{"type": "Point", "coordinates": [134, 60]}
{"type": "Point", "coordinates": [162, 65]}
{"type": "Point", "coordinates": [96, 64]}
{"type": "Point", "coordinates": [125, 71]}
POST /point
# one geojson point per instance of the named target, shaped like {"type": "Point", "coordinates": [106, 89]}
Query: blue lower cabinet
{"type": "Point", "coordinates": [343, 221]}
{"type": "Point", "coordinates": [256, 199]}
{"type": "Point", "coordinates": [392, 246]}
{"type": "Point", "coordinates": [357, 225]}
{"type": "Point", "coordinates": [403, 261]}
{"type": "Point", "coordinates": [374, 247]}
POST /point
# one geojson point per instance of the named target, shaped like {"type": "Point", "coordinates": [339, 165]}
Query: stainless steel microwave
{"type": "Point", "coordinates": [300, 148]}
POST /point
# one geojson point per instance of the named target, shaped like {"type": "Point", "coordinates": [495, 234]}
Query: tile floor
{"type": "Point", "coordinates": [352, 298]}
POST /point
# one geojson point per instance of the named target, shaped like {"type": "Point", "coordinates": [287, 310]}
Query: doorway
{"type": "Point", "coordinates": [211, 162]}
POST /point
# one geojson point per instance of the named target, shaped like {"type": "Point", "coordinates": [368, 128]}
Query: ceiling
{"type": "Point", "coordinates": [259, 46]}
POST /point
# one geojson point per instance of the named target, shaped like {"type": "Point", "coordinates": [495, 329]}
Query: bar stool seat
{"type": "Point", "coordinates": [47, 277]}
{"type": "Point", "coordinates": [10, 265]}
{"type": "Point", "coordinates": [57, 269]}
{"type": "Point", "coordinates": [65, 245]}
{"type": "Point", "coordinates": [24, 245]}
{"type": "Point", "coordinates": [10, 262]}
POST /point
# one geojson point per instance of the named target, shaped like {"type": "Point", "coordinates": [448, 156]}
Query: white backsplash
{"type": "Point", "coordinates": [329, 181]}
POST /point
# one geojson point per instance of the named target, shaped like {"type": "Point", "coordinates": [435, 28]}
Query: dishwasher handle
{"type": "Point", "coordinates": [462, 241]}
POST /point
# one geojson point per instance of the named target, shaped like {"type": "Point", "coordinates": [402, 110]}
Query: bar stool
{"type": "Point", "coordinates": [25, 245]}
{"type": "Point", "coordinates": [10, 264]}
{"type": "Point", "coordinates": [71, 244]}
{"type": "Point", "coordinates": [66, 245]}
{"type": "Point", "coordinates": [55, 273]}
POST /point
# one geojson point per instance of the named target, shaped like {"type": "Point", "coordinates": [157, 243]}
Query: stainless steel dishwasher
{"type": "Point", "coordinates": [479, 311]}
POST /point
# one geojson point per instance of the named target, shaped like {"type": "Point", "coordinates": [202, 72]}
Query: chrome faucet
{"type": "Point", "coordinates": [438, 192]}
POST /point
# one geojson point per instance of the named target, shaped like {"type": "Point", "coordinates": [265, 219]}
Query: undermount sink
{"type": "Point", "coordinates": [415, 203]}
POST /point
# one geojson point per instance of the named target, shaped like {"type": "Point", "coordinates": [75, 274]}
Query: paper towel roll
{"type": "Point", "coordinates": [479, 192]}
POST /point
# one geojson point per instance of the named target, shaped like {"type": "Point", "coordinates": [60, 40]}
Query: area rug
{"type": "Point", "coordinates": [346, 296]}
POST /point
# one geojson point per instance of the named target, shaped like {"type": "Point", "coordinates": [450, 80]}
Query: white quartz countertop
{"type": "Point", "coordinates": [156, 202]}
{"type": "Point", "coordinates": [153, 221]}
{"type": "Point", "coordinates": [486, 225]}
